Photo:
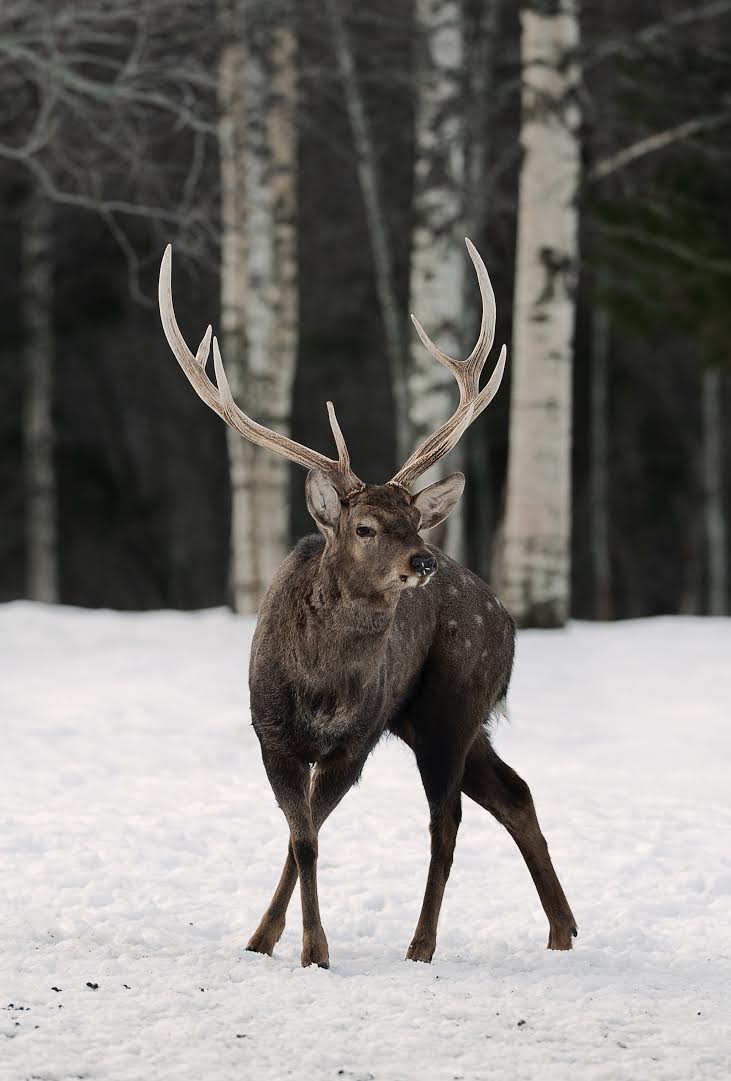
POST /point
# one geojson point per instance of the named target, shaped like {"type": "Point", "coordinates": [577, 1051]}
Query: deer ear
{"type": "Point", "coordinates": [323, 502]}
{"type": "Point", "coordinates": [438, 501]}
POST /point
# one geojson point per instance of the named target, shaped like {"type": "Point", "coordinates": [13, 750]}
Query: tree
{"type": "Point", "coordinates": [40, 474]}
{"type": "Point", "coordinates": [83, 94]}
{"type": "Point", "coordinates": [599, 528]}
{"type": "Point", "coordinates": [713, 500]}
{"type": "Point", "coordinates": [257, 101]}
{"type": "Point", "coordinates": [437, 265]}
{"type": "Point", "coordinates": [480, 42]}
{"type": "Point", "coordinates": [652, 184]}
{"type": "Point", "coordinates": [536, 542]}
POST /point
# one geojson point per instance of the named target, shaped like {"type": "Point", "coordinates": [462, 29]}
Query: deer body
{"type": "Point", "coordinates": [351, 666]}
{"type": "Point", "coordinates": [365, 629]}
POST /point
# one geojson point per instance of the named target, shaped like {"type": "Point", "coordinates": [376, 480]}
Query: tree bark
{"type": "Point", "coordinates": [38, 431]}
{"type": "Point", "coordinates": [437, 266]}
{"type": "Point", "coordinates": [714, 511]}
{"type": "Point", "coordinates": [257, 139]}
{"type": "Point", "coordinates": [480, 36]}
{"type": "Point", "coordinates": [599, 459]}
{"type": "Point", "coordinates": [536, 563]}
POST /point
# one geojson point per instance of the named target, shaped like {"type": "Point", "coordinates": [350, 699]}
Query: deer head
{"type": "Point", "coordinates": [371, 530]}
{"type": "Point", "coordinates": [373, 536]}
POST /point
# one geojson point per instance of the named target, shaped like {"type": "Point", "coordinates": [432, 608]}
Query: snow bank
{"type": "Point", "coordinates": [140, 844]}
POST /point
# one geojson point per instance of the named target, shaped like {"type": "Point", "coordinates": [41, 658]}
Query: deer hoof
{"type": "Point", "coordinates": [421, 951]}
{"type": "Point", "coordinates": [559, 938]}
{"type": "Point", "coordinates": [315, 952]}
{"type": "Point", "coordinates": [266, 948]}
{"type": "Point", "coordinates": [264, 940]}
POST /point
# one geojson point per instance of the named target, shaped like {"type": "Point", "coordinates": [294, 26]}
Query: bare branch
{"type": "Point", "coordinates": [671, 247]}
{"type": "Point", "coordinates": [658, 141]}
{"type": "Point", "coordinates": [656, 31]}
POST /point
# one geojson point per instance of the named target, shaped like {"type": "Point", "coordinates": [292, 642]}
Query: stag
{"type": "Point", "coordinates": [367, 629]}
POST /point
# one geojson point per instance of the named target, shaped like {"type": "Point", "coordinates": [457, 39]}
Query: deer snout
{"type": "Point", "coordinates": [423, 564]}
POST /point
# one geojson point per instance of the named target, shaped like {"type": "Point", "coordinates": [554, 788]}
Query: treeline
{"type": "Point", "coordinates": [316, 165]}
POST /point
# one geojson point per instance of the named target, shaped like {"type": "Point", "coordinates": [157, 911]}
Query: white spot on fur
{"type": "Point", "coordinates": [483, 655]}
{"type": "Point", "coordinates": [453, 590]}
{"type": "Point", "coordinates": [467, 644]}
{"type": "Point", "coordinates": [452, 624]}
{"type": "Point", "coordinates": [479, 619]}
{"type": "Point", "coordinates": [489, 606]}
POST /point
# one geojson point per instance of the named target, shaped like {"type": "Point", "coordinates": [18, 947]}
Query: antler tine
{"type": "Point", "coordinates": [220, 399]}
{"type": "Point", "coordinates": [193, 366]}
{"type": "Point", "coordinates": [467, 373]}
{"type": "Point", "coordinates": [486, 337]}
{"type": "Point", "coordinates": [492, 386]}
{"type": "Point", "coordinates": [343, 455]}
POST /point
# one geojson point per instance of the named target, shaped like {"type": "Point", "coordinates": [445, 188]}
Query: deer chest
{"type": "Point", "coordinates": [328, 722]}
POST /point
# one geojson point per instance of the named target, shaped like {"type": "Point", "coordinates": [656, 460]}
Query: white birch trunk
{"type": "Point", "coordinates": [536, 546]}
{"type": "Point", "coordinates": [281, 354]}
{"type": "Point", "coordinates": [38, 432]}
{"type": "Point", "coordinates": [714, 512]}
{"type": "Point", "coordinates": [243, 569]}
{"type": "Point", "coordinates": [437, 266]}
{"type": "Point", "coordinates": [257, 90]}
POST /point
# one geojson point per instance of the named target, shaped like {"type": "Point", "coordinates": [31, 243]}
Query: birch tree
{"type": "Point", "coordinates": [257, 97]}
{"type": "Point", "coordinates": [536, 546]}
{"type": "Point", "coordinates": [714, 510]}
{"type": "Point", "coordinates": [480, 40]}
{"type": "Point", "coordinates": [38, 432]}
{"type": "Point", "coordinates": [437, 265]}
{"type": "Point", "coordinates": [599, 455]}
{"type": "Point", "coordinates": [81, 88]}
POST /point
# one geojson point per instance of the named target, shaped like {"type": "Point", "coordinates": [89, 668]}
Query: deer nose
{"type": "Point", "coordinates": [423, 564]}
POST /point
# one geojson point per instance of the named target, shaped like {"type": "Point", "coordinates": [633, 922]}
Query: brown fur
{"type": "Point", "coordinates": [345, 650]}
{"type": "Point", "coordinates": [354, 639]}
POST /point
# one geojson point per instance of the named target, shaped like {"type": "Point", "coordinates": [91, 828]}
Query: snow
{"type": "Point", "coordinates": [140, 845]}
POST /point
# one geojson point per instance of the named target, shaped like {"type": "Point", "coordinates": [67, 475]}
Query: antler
{"type": "Point", "coordinates": [221, 401]}
{"type": "Point", "coordinates": [472, 400]}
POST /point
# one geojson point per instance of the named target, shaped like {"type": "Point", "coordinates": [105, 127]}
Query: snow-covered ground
{"type": "Point", "coordinates": [140, 844]}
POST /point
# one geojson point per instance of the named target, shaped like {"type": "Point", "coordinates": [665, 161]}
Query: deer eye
{"type": "Point", "coordinates": [365, 531]}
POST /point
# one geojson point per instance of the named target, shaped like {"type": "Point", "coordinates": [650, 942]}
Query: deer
{"type": "Point", "coordinates": [365, 630]}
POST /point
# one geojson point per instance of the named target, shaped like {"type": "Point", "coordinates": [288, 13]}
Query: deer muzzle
{"type": "Point", "coordinates": [423, 564]}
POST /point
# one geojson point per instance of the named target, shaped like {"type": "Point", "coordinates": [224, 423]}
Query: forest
{"type": "Point", "coordinates": [316, 166]}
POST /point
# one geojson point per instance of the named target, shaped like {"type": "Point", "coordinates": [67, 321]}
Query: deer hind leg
{"type": "Point", "coordinates": [495, 786]}
{"type": "Point", "coordinates": [329, 784]}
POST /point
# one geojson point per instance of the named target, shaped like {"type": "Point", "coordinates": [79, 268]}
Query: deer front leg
{"type": "Point", "coordinates": [290, 781]}
{"type": "Point", "coordinates": [443, 827]}
{"type": "Point", "coordinates": [272, 923]}
{"type": "Point", "coordinates": [441, 764]}
{"type": "Point", "coordinates": [330, 782]}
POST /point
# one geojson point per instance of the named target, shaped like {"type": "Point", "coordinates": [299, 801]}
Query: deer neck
{"type": "Point", "coordinates": [352, 623]}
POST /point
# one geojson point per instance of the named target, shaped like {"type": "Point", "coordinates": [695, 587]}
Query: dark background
{"type": "Point", "coordinates": [142, 480]}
